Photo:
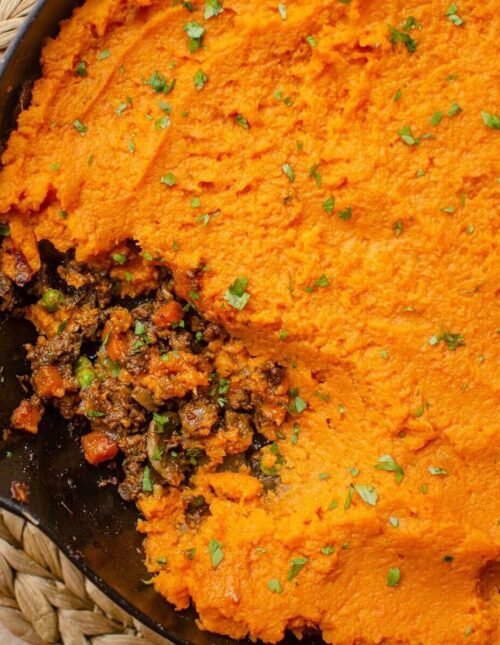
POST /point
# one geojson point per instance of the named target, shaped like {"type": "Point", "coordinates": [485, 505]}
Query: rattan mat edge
{"type": "Point", "coordinates": [44, 598]}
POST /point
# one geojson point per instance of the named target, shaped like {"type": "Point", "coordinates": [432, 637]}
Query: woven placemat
{"type": "Point", "coordinates": [43, 597]}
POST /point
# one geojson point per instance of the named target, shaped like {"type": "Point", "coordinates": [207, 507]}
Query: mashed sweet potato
{"type": "Point", "coordinates": [343, 157]}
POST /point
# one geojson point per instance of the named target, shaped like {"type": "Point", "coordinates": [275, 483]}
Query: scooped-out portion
{"type": "Point", "coordinates": [296, 361]}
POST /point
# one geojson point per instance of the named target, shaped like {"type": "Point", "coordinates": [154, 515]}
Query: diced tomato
{"type": "Point", "coordinates": [27, 416]}
{"type": "Point", "coordinates": [98, 447]}
{"type": "Point", "coordinates": [49, 382]}
{"type": "Point", "coordinates": [169, 313]}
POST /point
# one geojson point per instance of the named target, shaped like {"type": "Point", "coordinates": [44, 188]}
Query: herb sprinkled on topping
{"type": "Point", "coordinates": [449, 338]}
{"type": "Point", "coordinates": [396, 36]}
{"type": "Point", "coordinates": [367, 493]}
{"type": "Point", "coordinates": [282, 10]}
{"type": "Point", "coordinates": [454, 109]}
{"type": "Point", "coordinates": [195, 33]}
{"type": "Point", "coordinates": [237, 295]}
{"type": "Point", "coordinates": [393, 576]}
{"type": "Point", "coordinates": [242, 122]}
{"type": "Point", "coordinates": [387, 463]}
{"type": "Point", "coordinates": [288, 171]}
{"type": "Point", "coordinates": [168, 179]}
{"type": "Point", "coordinates": [147, 484]}
{"type": "Point", "coordinates": [436, 470]}
{"type": "Point", "coordinates": [80, 127]}
{"type": "Point", "coordinates": [4, 230]}
{"type": "Point", "coordinates": [407, 136]}
{"type": "Point", "coordinates": [104, 54]}
{"type": "Point", "coordinates": [328, 549]}
{"type": "Point", "coordinates": [314, 174]}
{"type": "Point", "coordinates": [81, 69]}
{"type": "Point", "coordinates": [329, 205]}
{"type": "Point", "coordinates": [159, 83]}
{"type": "Point", "coordinates": [452, 15]}
{"type": "Point", "coordinates": [212, 9]}
{"type": "Point", "coordinates": [436, 118]}
{"type": "Point", "coordinates": [320, 283]}
{"type": "Point", "coordinates": [398, 227]}
{"type": "Point", "coordinates": [274, 586]}
{"type": "Point", "coordinates": [311, 40]}
{"type": "Point", "coordinates": [296, 565]}
{"type": "Point", "coordinates": [216, 553]}
{"type": "Point", "coordinates": [491, 120]}
{"type": "Point", "coordinates": [200, 78]}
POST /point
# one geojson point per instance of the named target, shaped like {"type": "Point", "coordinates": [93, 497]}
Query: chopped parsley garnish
{"type": "Point", "coordinates": [348, 499]}
{"type": "Point", "coordinates": [295, 433]}
{"type": "Point", "coordinates": [345, 214]}
{"type": "Point", "coordinates": [205, 218]}
{"type": "Point", "coordinates": [411, 23]}
{"type": "Point", "coordinates": [160, 84]}
{"type": "Point", "coordinates": [147, 484]}
{"type": "Point", "coordinates": [195, 33]}
{"type": "Point", "coordinates": [168, 179]}
{"type": "Point", "coordinates": [384, 354]}
{"type": "Point", "coordinates": [296, 565]}
{"type": "Point", "coordinates": [162, 123]}
{"type": "Point", "coordinates": [298, 404]}
{"type": "Point", "coordinates": [328, 549]}
{"type": "Point", "coordinates": [212, 9]}
{"type": "Point", "coordinates": [195, 202]}
{"type": "Point", "coordinates": [398, 227]}
{"type": "Point", "coordinates": [436, 470]}
{"type": "Point", "coordinates": [119, 258]}
{"type": "Point", "coordinates": [342, 408]}
{"type": "Point", "coordinates": [354, 471]}
{"type": "Point", "coordinates": [288, 171]}
{"type": "Point", "coordinates": [216, 553]}
{"type": "Point", "coordinates": [491, 120]}
{"type": "Point", "coordinates": [242, 122]}
{"type": "Point", "coordinates": [436, 118]}
{"type": "Point", "coordinates": [94, 414]}
{"type": "Point", "coordinates": [367, 493]}
{"type": "Point", "coordinates": [81, 69]}
{"type": "Point", "coordinates": [320, 283]}
{"type": "Point", "coordinates": [282, 10]}
{"type": "Point", "coordinates": [393, 576]}
{"type": "Point", "coordinates": [452, 15]}
{"type": "Point", "coordinates": [387, 463]}
{"type": "Point", "coordinates": [420, 173]}
{"type": "Point", "coordinates": [323, 476]}
{"type": "Point", "coordinates": [448, 209]}
{"type": "Point", "coordinates": [311, 40]}
{"type": "Point", "coordinates": [454, 109]}
{"type": "Point", "coordinates": [80, 127]}
{"type": "Point", "coordinates": [449, 338]}
{"type": "Point", "coordinates": [394, 521]}
{"type": "Point", "coordinates": [4, 230]}
{"type": "Point", "coordinates": [200, 78]}
{"type": "Point", "coordinates": [397, 95]}
{"type": "Point", "coordinates": [314, 174]}
{"type": "Point", "coordinates": [396, 36]}
{"type": "Point", "coordinates": [406, 135]}
{"type": "Point", "coordinates": [274, 586]}
{"type": "Point", "coordinates": [104, 54]}
{"type": "Point", "coordinates": [329, 205]}
{"type": "Point", "coordinates": [237, 295]}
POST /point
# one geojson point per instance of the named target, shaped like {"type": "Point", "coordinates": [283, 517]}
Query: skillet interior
{"type": "Point", "coordinates": [92, 525]}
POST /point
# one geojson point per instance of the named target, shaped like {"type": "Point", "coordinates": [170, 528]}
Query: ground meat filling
{"type": "Point", "coordinates": [148, 379]}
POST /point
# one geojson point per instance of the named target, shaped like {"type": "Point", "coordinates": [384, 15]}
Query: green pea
{"type": "Point", "coordinates": [83, 363]}
{"type": "Point", "coordinates": [51, 299]}
{"type": "Point", "coordinates": [85, 377]}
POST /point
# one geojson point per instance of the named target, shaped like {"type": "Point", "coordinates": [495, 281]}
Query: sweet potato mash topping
{"type": "Point", "coordinates": [331, 170]}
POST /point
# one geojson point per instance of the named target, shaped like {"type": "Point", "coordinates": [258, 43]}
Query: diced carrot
{"type": "Point", "coordinates": [98, 447]}
{"type": "Point", "coordinates": [169, 313]}
{"type": "Point", "coordinates": [49, 382]}
{"type": "Point", "coordinates": [27, 416]}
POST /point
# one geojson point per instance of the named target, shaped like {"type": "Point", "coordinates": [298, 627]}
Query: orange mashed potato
{"type": "Point", "coordinates": [344, 157]}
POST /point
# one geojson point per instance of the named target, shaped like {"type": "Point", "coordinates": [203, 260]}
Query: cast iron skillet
{"type": "Point", "coordinates": [90, 524]}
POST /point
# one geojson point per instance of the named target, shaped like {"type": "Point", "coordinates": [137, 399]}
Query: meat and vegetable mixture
{"type": "Point", "coordinates": [145, 376]}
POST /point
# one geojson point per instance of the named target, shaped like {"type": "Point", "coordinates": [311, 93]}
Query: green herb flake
{"type": "Point", "coordinates": [314, 174]}
{"type": "Point", "coordinates": [452, 15]}
{"type": "Point", "coordinates": [436, 118]}
{"type": "Point", "coordinates": [274, 586]}
{"type": "Point", "coordinates": [195, 33]}
{"type": "Point", "coordinates": [491, 120]}
{"type": "Point", "coordinates": [119, 258]}
{"type": "Point", "coordinates": [80, 127]}
{"type": "Point", "coordinates": [398, 227]}
{"type": "Point", "coordinates": [212, 9]}
{"type": "Point", "coordinates": [396, 36]}
{"type": "Point", "coordinates": [451, 340]}
{"type": "Point", "coordinates": [296, 566]}
{"type": "Point", "coordinates": [81, 69]}
{"type": "Point", "coordinates": [393, 576]}
{"type": "Point", "coordinates": [242, 122]}
{"type": "Point", "coordinates": [454, 109]}
{"type": "Point", "coordinates": [168, 179]}
{"type": "Point", "coordinates": [406, 135]}
{"type": "Point", "coordinates": [295, 433]}
{"type": "Point", "coordinates": [420, 173]}
{"type": "Point", "coordinates": [349, 496]}
{"type": "Point", "coordinates": [147, 484]}
{"type": "Point", "coordinates": [354, 471]}
{"type": "Point", "coordinates": [323, 476]}
{"type": "Point", "coordinates": [104, 54]}
{"type": "Point", "coordinates": [311, 40]}
{"type": "Point", "coordinates": [4, 230]}
{"type": "Point", "coordinates": [328, 549]}
{"type": "Point", "coordinates": [367, 493]}
{"type": "Point", "coordinates": [394, 521]}
{"type": "Point", "coordinates": [159, 83]}
{"type": "Point", "coordinates": [397, 95]}
{"type": "Point", "coordinates": [384, 354]}
{"type": "Point", "coordinates": [237, 295]}
{"type": "Point", "coordinates": [199, 79]}
{"type": "Point", "coordinates": [437, 471]}
{"type": "Point", "coordinates": [320, 283]}
{"type": "Point", "coordinates": [345, 214]}
{"type": "Point", "coordinates": [288, 171]}
{"type": "Point", "coordinates": [282, 10]}
{"type": "Point", "coordinates": [387, 463]}
{"type": "Point", "coordinates": [216, 553]}
{"type": "Point", "coordinates": [328, 205]}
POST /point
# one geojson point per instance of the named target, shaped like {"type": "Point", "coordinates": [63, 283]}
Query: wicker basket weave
{"type": "Point", "coordinates": [43, 597]}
